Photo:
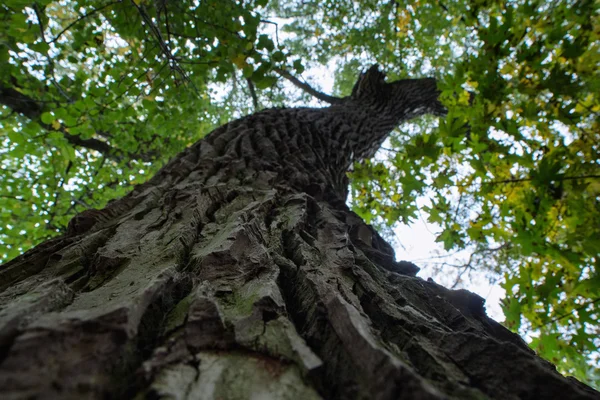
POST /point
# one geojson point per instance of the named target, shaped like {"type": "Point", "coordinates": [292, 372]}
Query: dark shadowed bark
{"type": "Point", "coordinates": [238, 272]}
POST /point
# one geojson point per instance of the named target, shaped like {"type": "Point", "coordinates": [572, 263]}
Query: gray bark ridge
{"type": "Point", "coordinates": [237, 272]}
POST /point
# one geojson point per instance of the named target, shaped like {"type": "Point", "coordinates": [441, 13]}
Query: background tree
{"type": "Point", "coordinates": [98, 94]}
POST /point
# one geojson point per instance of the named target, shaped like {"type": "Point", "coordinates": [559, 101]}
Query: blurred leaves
{"type": "Point", "coordinates": [96, 95]}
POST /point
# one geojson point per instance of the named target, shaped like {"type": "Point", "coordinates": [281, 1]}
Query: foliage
{"type": "Point", "coordinates": [98, 94]}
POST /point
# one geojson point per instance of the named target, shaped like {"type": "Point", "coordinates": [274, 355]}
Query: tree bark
{"type": "Point", "coordinates": [238, 272]}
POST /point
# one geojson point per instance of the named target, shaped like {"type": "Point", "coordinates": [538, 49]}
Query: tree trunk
{"type": "Point", "coordinates": [238, 272]}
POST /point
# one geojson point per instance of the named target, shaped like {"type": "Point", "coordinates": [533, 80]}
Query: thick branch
{"type": "Point", "coordinates": [307, 88]}
{"type": "Point", "coordinates": [32, 109]}
{"type": "Point", "coordinates": [20, 103]}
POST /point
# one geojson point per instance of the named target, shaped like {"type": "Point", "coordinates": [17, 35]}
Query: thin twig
{"type": "Point", "coordinates": [5, 196]}
{"type": "Point", "coordinates": [7, 116]}
{"type": "Point", "coordinates": [50, 61]}
{"type": "Point", "coordinates": [465, 268]}
{"type": "Point", "coordinates": [85, 192]}
{"type": "Point", "coordinates": [518, 180]}
{"type": "Point", "coordinates": [164, 46]}
{"type": "Point", "coordinates": [94, 11]}
{"type": "Point", "coordinates": [253, 93]}
{"type": "Point", "coordinates": [40, 22]}
{"type": "Point", "coordinates": [264, 21]}
{"type": "Point", "coordinates": [571, 312]}
{"type": "Point", "coordinates": [58, 192]}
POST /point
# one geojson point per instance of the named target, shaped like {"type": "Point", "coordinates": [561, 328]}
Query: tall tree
{"type": "Point", "coordinates": [238, 271]}
{"type": "Point", "coordinates": [96, 95]}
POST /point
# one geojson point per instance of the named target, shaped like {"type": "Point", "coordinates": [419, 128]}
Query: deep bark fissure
{"type": "Point", "coordinates": [125, 377]}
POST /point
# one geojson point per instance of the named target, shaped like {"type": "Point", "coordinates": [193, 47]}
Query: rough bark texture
{"type": "Point", "coordinates": [237, 272]}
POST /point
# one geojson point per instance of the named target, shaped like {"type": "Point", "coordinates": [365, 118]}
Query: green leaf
{"type": "Point", "coordinates": [264, 42]}
{"type": "Point", "coordinates": [47, 118]}
{"type": "Point", "coordinates": [278, 56]}
{"type": "Point", "coordinates": [298, 66]}
{"type": "Point", "coordinates": [265, 82]}
{"type": "Point", "coordinates": [16, 137]}
{"type": "Point", "coordinates": [512, 312]}
{"type": "Point", "coordinates": [67, 151]}
{"type": "Point", "coordinates": [55, 135]}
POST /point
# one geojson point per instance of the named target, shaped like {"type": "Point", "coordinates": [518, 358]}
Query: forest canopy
{"type": "Point", "coordinates": [95, 96]}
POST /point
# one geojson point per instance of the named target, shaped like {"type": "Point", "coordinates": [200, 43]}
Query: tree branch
{"type": "Point", "coordinates": [20, 103]}
{"type": "Point", "coordinates": [307, 88]}
{"type": "Point", "coordinates": [253, 94]}
{"type": "Point", "coordinates": [86, 191]}
{"type": "Point", "coordinates": [32, 109]}
{"type": "Point", "coordinates": [84, 16]}
{"type": "Point", "coordinates": [264, 21]}
{"type": "Point", "coordinates": [517, 180]}
{"type": "Point", "coordinates": [50, 60]}
{"type": "Point", "coordinates": [57, 193]}
{"type": "Point", "coordinates": [570, 313]}
{"type": "Point", "coordinates": [164, 45]}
